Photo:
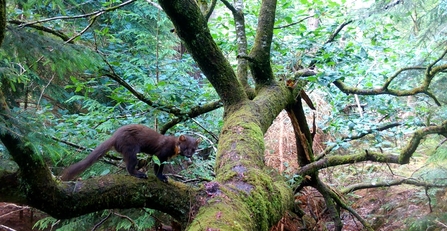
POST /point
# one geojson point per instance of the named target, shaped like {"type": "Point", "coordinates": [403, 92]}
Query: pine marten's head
{"type": "Point", "coordinates": [187, 146]}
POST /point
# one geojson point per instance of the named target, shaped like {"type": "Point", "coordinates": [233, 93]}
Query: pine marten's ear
{"type": "Point", "coordinates": [198, 141]}
{"type": "Point", "coordinates": [182, 138]}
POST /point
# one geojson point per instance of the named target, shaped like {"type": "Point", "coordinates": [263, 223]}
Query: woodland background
{"type": "Point", "coordinates": [358, 139]}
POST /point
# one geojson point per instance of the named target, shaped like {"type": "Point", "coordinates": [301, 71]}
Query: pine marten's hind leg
{"type": "Point", "coordinates": [130, 157]}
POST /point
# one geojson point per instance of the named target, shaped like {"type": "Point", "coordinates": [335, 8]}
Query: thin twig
{"type": "Point", "coordinates": [92, 20]}
{"type": "Point", "coordinates": [426, 188]}
{"type": "Point", "coordinates": [134, 225]}
{"type": "Point", "coordinates": [293, 23]}
{"type": "Point", "coordinates": [102, 221]}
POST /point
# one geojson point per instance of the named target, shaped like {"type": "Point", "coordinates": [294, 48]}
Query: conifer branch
{"type": "Point", "coordinates": [91, 14]}
{"type": "Point", "coordinates": [57, 33]}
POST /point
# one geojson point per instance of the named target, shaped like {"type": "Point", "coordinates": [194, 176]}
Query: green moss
{"type": "Point", "coordinates": [259, 195]}
{"type": "Point", "coordinates": [220, 212]}
{"type": "Point", "coordinates": [265, 200]}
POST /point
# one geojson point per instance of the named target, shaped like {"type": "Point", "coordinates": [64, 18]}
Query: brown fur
{"type": "Point", "coordinates": [132, 139]}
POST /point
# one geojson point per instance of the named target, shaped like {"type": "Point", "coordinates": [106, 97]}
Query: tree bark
{"type": "Point", "coordinates": [2, 20]}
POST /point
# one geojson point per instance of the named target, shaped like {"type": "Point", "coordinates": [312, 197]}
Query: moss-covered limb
{"type": "Point", "coordinates": [39, 189]}
{"type": "Point", "coordinates": [241, 142]}
{"type": "Point", "coordinates": [430, 72]}
{"type": "Point", "coordinates": [269, 102]}
{"type": "Point", "coordinates": [120, 191]}
{"type": "Point", "coordinates": [260, 53]}
{"type": "Point", "coordinates": [11, 186]}
{"type": "Point", "coordinates": [407, 152]}
{"type": "Point", "coordinates": [192, 28]}
{"type": "Point", "coordinates": [410, 181]}
{"type": "Point", "coordinates": [224, 211]}
{"type": "Point", "coordinates": [347, 159]}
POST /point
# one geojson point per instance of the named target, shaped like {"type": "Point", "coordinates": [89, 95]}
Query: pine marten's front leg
{"type": "Point", "coordinates": [158, 169]}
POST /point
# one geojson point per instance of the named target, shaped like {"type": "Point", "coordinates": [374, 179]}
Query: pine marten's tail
{"type": "Point", "coordinates": [71, 172]}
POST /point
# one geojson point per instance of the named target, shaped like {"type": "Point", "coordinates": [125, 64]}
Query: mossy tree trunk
{"type": "Point", "coordinates": [248, 195]}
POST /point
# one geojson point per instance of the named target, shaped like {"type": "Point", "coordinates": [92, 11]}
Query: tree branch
{"type": "Point", "coordinates": [260, 53]}
{"type": "Point", "coordinates": [242, 50]}
{"type": "Point", "coordinates": [192, 28]}
{"type": "Point", "coordinates": [192, 113]}
{"type": "Point", "coordinates": [430, 71]}
{"type": "Point", "coordinates": [294, 23]}
{"type": "Point", "coordinates": [337, 31]}
{"type": "Point", "coordinates": [43, 28]}
{"type": "Point", "coordinates": [358, 136]}
{"type": "Point", "coordinates": [338, 199]}
{"type": "Point", "coordinates": [410, 181]}
{"type": "Point", "coordinates": [407, 152]}
{"type": "Point", "coordinates": [168, 109]}
{"type": "Point", "coordinates": [329, 40]}
{"type": "Point", "coordinates": [90, 24]}
{"type": "Point", "coordinates": [101, 11]}
{"type": "Point", "coordinates": [347, 159]}
{"type": "Point", "coordinates": [369, 131]}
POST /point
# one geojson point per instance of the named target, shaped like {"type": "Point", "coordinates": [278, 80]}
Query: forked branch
{"type": "Point", "coordinates": [431, 71]}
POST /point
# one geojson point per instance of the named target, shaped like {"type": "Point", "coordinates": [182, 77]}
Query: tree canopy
{"type": "Point", "coordinates": [73, 72]}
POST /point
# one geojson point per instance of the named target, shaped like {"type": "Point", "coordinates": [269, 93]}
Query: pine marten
{"type": "Point", "coordinates": [132, 139]}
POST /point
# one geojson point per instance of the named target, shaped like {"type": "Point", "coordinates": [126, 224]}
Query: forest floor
{"type": "Point", "coordinates": [15, 217]}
